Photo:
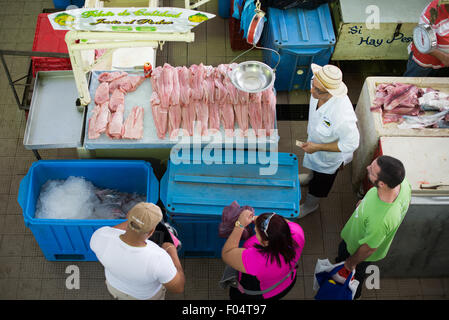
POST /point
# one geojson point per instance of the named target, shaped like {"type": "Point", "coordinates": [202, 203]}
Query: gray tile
{"type": "Point", "coordinates": [3, 202]}
{"type": "Point", "coordinates": [409, 287]}
{"type": "Point", "coordinates": [331, 241]}
{"type": "Point", "coordinates": [8, 289]}
{"type": "Point", "coordinates": [309, 293]}
{"type": "Point", "coordinates": [388, 287]}
{"type": "Point", "coordinates": [6, 165]}
{"type": "Point", "coordinates": [53, 289]}
{"type": "Point", "coordinates": [30, 247]}
{"type": "Point", "coordinates": [29, 289]}
{"type": "Point", "coordinates": [15, 183]}
{"type": "Point", "coordinates": [309, 263]}
{"type": "Point", "coordinates": [432, 287]}
{"type": "Point", "coordinates": [11, 245]}
{"type": "Point", "coordinates": [13, 224]}
{"type": "Point", "coordinates": [13, 205]}
{"type": "Point", "coordinates": [5, 184]}
{"type": "Point", "coordinates": [298, 291]}
{"type": "Point", "coordinates": [7, 146]}
{"type": "Point", "coordinates": [32, 267]}
{"type": "Point", "coordinates": [10, 267]}
{"type": "Point", "coordinates": [196, 268]}
{"type": "Point", "coordinates": [54, 270]}
{"type": "Point", "coordinates": [196, 289]}
{"type": "Point", "coordinates": [97, 290]}
{"type": "Point", "coordinates": [22, 164]}
{"type": "Point", "coordinates": [331, 213]}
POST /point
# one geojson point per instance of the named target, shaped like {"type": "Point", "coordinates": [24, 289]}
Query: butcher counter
{"type": "Point", "coordinates": [55, 121]}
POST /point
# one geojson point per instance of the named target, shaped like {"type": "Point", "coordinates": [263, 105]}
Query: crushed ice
{"type": "Point", "coordinates": [77, 198]}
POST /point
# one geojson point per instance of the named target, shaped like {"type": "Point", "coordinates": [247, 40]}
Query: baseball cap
{"type": "Point", "coordinates": [144, 217]}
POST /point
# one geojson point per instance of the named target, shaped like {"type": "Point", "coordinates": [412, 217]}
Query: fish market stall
{"type": "Point", "coordinates": [375, 121]}
{"type": "Point", "coordinates": [125, 117]}
{"type": "Point", "coordinates": [419, 248]}
{"type": "Point", "coordinates": [374, 30]}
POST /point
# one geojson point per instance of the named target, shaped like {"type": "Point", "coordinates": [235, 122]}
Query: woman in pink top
{"type": "Point", "coordinates": [267, 257]}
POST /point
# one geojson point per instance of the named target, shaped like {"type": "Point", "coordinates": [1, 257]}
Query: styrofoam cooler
{"type": "Point", "coordinates": [301, 37]}
{"type": "Point", "coordinates": [68, 239]}
{"type": "Point", "coordinates": [195, 195]}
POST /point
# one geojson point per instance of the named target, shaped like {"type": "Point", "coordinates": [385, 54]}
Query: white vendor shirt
{"type": "Point", "coordinates": [137, 271]}
{"type": "Point", "coordinates": [334, 120]}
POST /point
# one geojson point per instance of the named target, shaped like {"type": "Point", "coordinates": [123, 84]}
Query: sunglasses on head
{"type": "Point", "coordinates": [266, 223]}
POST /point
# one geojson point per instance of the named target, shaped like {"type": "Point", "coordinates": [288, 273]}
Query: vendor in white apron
{"type": "Point", "coordinates": [332, 134]}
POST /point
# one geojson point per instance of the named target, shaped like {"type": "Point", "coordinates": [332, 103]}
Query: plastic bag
{"type": "Point", "coordinates": [326, 266]}
{"type": "Point", "coordinates": [229, 217]}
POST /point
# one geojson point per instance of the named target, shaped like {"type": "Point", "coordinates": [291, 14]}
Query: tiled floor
{"type": "Point", "coordinates": [26, 274]}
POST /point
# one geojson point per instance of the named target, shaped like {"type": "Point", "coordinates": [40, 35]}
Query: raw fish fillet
{"type": "Point", "coordinates": [184, 85]}
{"type": "Point", "coordinates": [117, 99]}
{"type": "Point", "coordinates": [156, 78]}
{"type": "Point", "coordinates": [102, 93]}
{"type": "Point", "coordinates": [174, 119]}
{"type": "Point", "coordinates": [242, 117]}
{"type": "Point", "coordinates": [268, 110]}
{"type": "Point", "coordinates": [176, 92]}
{"type": "Point", "coordinates": [209, 85]}
{"type": "Point", "coordinates": [227, 116]}
{"type": "Point", "coordinates": [220, 91]}
{"type": "Point", "coordinates": [202, 116]}
{"type": "Point", "coordinates": [135, 81]}
{"type": "Point", "coordinates": [188, 114]}
{"type": "Point", "coordinates": [255, 112]}
{"type": "Point", "coordinates": [126, 84]}
{"type": "Point", "coordinates": [197, 76]}
{"type": "Point", "coordinates": [166, 89]}
{"type": "Point", "coordinates": [92, 133]}
{"type": "Point", "coordinates": [115, 126]}
{"type": "Point", "coordinates": [133, 127]}
{"type": "Point", "coordinates": [103, 118]}
{"type": "Point", "coordinates": [160, 115]}
{"type": "Point", "coordinates": [214, 117]}
{"type": "Point", "coordinates": [111, 76]}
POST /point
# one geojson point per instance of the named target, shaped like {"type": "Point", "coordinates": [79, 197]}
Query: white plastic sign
{"type": "Point", "coordinates": [129, 19]}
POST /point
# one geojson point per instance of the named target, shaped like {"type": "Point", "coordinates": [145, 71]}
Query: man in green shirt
{"type": "Point", "coordinates": [370, 230]}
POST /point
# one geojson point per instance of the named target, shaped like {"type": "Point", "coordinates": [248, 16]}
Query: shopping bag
{"type": "Point", "coordinates": [229, 278]}
{"type": "Point", "coordinates": [229, 216]}
{"type": "Point", "coordinates": [327, 288]}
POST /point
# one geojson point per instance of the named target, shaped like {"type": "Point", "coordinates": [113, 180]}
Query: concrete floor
{"type": "Point", "coordinates": [26, 274]}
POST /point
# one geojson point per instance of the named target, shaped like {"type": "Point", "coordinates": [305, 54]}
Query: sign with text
{"type": "Point", "coordinates": [166, 20]}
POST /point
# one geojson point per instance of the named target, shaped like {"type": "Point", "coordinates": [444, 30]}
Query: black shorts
{"type": "Point", "coordinates": [321, 184]}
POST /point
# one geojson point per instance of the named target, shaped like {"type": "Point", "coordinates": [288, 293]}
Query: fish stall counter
{"type": "Point", "coordinates": [54, 122]}
{"type": "Point", "coordinates": [372, 125]}
{"type": "Point", "coordinates": [151, 144]}
{"type": "Point", "coordinates": [419, 248]}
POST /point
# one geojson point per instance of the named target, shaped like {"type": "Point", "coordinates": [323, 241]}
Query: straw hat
{"type": "Point", "coordinates": [331, 78]}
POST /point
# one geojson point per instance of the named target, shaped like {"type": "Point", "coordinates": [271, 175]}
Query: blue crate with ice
{"type": "Point", "coordinates": [65, 201]}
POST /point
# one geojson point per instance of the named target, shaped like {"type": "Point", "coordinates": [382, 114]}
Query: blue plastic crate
{"type": "Point", "coordinates": [65, 239]}
{"type": "Point", "coordinates": [199, 235]}
{"type": "Point", "coordinates": [195, 194]}
{"type": "Point", "coordinates": [301, 37]}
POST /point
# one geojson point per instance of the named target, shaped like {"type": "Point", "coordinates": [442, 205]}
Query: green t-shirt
{"type": "Point", "coordinates": [375, 222]}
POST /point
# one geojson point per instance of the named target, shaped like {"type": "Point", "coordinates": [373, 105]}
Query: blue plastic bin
{"type": "Point", "coordinates": [301, 37]}
{"type": "Point", "coordinates": [195, 195]}
{"type": "Point", "coordinates": [63, 4]}
{"type": "Point", "coordinates": [224, 8]}
{"type": "Point", "coordinates": [65, 239]}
